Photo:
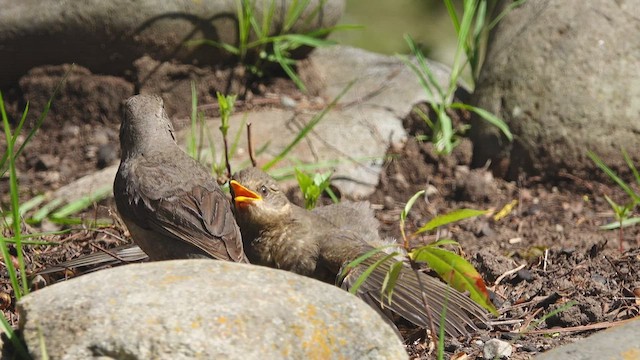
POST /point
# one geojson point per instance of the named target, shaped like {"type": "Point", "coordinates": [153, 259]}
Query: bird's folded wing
{"type": "Point", "coordinates": [461, 313]}
{"type": "Point", "coordinates": [201, 218]}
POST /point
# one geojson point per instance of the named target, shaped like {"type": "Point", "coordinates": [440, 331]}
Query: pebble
{"type": "Point", "coordinates": [496, 349]}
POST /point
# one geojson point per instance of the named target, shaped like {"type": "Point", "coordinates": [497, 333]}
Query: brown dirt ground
{"type": "Point", "coordinates": [550, 237]}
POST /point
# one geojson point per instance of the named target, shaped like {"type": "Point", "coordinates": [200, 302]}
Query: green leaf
{"type": "Point", "coordinates": [363, 277]}
{"type": "Point", "coordinates": [409, 205]}
{"type": "Point", "coordinates": [360, 259]}
{"type": "Point", "coordinates": [390, 280]}
{"type": "Point", "coordinates": [454, 216]}
{"type": "Point", "coordinates": [455, 271]}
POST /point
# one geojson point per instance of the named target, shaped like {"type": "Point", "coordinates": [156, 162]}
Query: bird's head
{"type": "Point", "coordinates": [144, 123]}
{"type": "Point", "coordinates": [258, 200]}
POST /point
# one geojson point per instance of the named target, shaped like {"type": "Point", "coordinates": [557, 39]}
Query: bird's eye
{"type": "Point", "coordinates": [263, 190]}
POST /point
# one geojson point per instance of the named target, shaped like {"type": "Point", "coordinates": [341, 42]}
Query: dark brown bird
{"type": "Point", "coordinates": [318, 243]}
{"type": "Point", "coordinates": [172, 206]}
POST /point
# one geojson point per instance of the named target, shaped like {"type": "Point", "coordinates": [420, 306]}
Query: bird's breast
{"type": "Point", "coordinates": [283, 249]}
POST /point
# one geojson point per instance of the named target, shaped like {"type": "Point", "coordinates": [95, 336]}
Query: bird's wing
{"type": "Point", "coordinates": [461, 313]}
{"type": "Point", "coordinates": [201, 217]}
{"type": "Point", "coordinates": [183, 202]}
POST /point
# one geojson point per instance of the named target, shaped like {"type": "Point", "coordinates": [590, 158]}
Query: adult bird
{"type": "Point", "coordinates": [318, 243]}
{"type": "Point", "coordinates": [172, 206]}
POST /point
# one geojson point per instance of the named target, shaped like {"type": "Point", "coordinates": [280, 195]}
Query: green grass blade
{"type": "Point", "coordinates": [444, 134]}
{"type": "Point", "coordinates": [16, 132]}
{"type": "Point", "coordinates": [424, 70]}
{"type": "Point", "coordinates": [451, 10]}
{"type": "Point", "coordinates": [631, 166]}
{"type": "Point", "coordinates": [84, 202]}
{"type": "Point", "coordinates": [463, 34]}
{"type": "Point", "coordinates": [625, 223]}
{"type": "Point", "coordinates": [448, 218]}
{"type": "Point", "coordinates": [15, 210]}
{"type": "Point", "coordinates": [282, 60]}
{"type": "Point", "coordinates": [514, 4]}
{"type": "Point", "coordinates": [227, 47]}
{"type": "Point", "coordinates": [607, 170]}
{"type": "Point", "coordinates": [46, 210]}
{"type": "Point", "coordinates": [17, 343]}
{"type": "Point", "coordinates": [487, 116]}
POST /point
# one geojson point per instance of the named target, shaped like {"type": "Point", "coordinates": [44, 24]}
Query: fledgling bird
{"type": "Point", "coordinates": [171, 204]}
{"type": "Point", "coordinates": [318, 243]}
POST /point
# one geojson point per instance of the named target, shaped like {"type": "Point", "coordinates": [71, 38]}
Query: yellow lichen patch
{"type": "Point", "coordinates": [321, 343]}
{"type": "Point", "coordinates": [196, 324]}
{"type": "Point", "coordinates": [631, 354]}
{"type": "Point", "coordinates": [172, 279]}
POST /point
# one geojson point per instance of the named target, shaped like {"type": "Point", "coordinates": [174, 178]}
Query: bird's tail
{"type": "Point", "coordinates": [461, 314]}
{"type": "Point", "coordinates": [98, 260]}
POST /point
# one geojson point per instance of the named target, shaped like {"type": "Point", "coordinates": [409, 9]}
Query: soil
{"type": "Point", "coordinates": [551, 271]}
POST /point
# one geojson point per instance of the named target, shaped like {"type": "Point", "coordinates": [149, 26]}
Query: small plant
{"type": "Point", "coordinates": [623, 213]}
{"type": "Point", "coordinates": [471, 31]}
{"type": "Point", "coordinates": [19, 283]}
{"type": "Point", "coordinates": [451, 267]}
{"type": "Point", "coordinates": [220, 167]}
{"type": "Point", "coordinates": [256, 35]}
{"type": "Point", "coordinates": [313, 187]}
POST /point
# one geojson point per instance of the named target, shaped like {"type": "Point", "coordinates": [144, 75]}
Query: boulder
{"type": "Point", "coordinates": [107, 36]}
{"type": "Point", "coordinates": [202, 309]}
{"type": "Point", "coordinates": [564, 76]}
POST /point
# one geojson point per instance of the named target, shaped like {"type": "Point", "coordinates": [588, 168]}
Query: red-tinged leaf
{"type": "Point", "coordinates": [455, 271]}
{"type": "Point", "coordinates": [449, 218]}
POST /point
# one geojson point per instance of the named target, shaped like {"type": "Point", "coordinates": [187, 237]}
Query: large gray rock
{"type": "Point", "coordinates": [106, 36]}
{"type": "Point", "coordinates": [619, 342]}
{"type": "Point", "coordinates": [202, 309]}
{"type": "Point", "coordinates": [564, 75]}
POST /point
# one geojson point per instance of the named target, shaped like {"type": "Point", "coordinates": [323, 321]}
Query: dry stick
{"type": "Point", "coordinates": [226, 155]}
{"type": "Point", "coordinates": [434, 334]}
{"type": "Point", "coordinates": [250, 146]}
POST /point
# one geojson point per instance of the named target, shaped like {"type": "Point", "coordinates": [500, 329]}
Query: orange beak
{"type": "Point", "coordinates": [242, 195]}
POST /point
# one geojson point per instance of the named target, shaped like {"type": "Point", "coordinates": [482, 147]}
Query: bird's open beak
{"type": "Point", "coordinates": [242, 195]}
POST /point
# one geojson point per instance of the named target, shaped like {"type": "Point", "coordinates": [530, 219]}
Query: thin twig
{"type": "Point", "coordinates": [226, 155]}
{"type": "Point", "coordinates": [434, 334]}
{"type": "Point", "coordinates": [507, 273]}
{"type": "Point", "coordinates": [250, 146]}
